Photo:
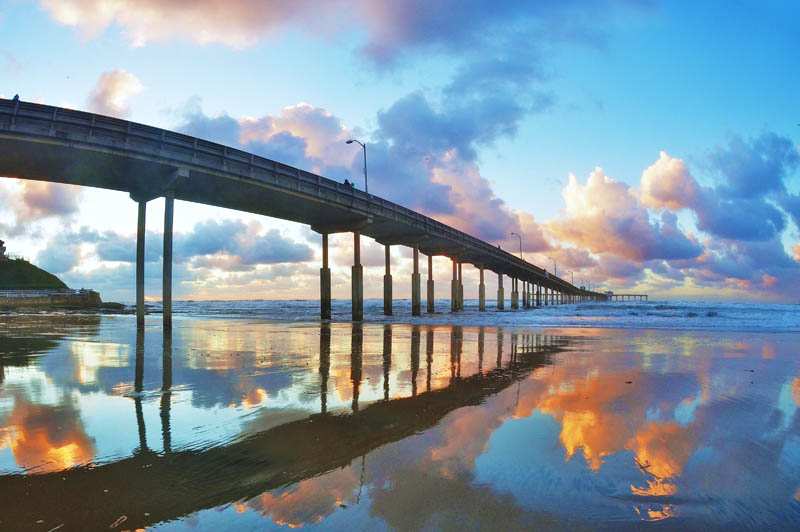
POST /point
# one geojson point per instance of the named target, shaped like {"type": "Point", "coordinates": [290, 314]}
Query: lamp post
{"type": "Point", "coordinates": [520, 243]}
{"type": "Point", "coordinates": [364, 149]}
{"type": "Point", "coordinates": [555, 266]}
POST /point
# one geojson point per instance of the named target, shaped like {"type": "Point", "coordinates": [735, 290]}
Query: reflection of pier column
{"type": "Point", "coordinates": [415, 341]}
{"type": "Point", "coordinates": [357, 280]}
{"type": "Point", "coordinates": [499, 347]}
{"type": "Point", "coordinates": [138, 386]}
{"type": "Point", "coordinates": [430, 285]}
{"type": "Point", "coordinates": [325, 282]}
{"type": "Point", "coordinates": [481, 341]}
{"type": "Point", "coordinates": [387, 359]}
{"type": "Point", "coordinates": [416, 296]}
{"type": "Point", "coordinates": [428, 356]}
{"type": "Point", "coordinates": [140, 234]}
{"type": "Point", "coordinates": [387, 283]}
{"type": "Point", "coordinates": [166, 392]}
{"type": "Point", "coordinates": [356, 359]}
{"type": "Point", "coordinates": [166, 284]}
{"type": "Point", "coordinates": [500, 302]}
{"type": "Point", "coordinates": [456, 340]}
{"type": "Point", "coordinates": [324, 365]}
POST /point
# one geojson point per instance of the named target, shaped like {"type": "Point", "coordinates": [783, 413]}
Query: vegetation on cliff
{"type": "Point", "coordinates": [19, 274]}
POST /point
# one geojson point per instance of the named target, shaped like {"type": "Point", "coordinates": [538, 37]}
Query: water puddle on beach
{"type": "Point", "coordinates": [241, 425]}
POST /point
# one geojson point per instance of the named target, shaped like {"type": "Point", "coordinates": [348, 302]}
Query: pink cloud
{"type": "Point", "coordinates": [605, 216]}
{"type": "Point", "coordinates": [667, 184]}
{"type": "Point", "coordinates": [112, 93]}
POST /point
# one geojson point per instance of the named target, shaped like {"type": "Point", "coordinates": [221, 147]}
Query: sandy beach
{"type": "Point", "coordinates": [258, 424]}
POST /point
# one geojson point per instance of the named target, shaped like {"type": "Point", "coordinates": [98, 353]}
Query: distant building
{"type": "Point", "coordinates": [3, 251]}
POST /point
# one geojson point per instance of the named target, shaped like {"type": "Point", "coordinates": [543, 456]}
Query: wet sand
{"type": "Point", "coordinates": [239, 425]}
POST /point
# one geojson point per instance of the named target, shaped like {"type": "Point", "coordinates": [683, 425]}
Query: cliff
{"type": "Point", "coordinates": [20, 274]}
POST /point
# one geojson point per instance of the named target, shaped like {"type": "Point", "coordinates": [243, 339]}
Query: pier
{"type": "Point", "coordinates": [627, 297]}
{"type": "Point", "coordinates": [55, 144]}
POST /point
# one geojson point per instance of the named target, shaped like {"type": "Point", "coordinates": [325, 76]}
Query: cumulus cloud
{"type": "Point", "coordinates": [796, 252]}
{"type": "Point", "coordinates": [112, 92]}
{"type": "Point", "coordinates": [28, 202]}
{"type": "Point", "coordinates": [388, 29]}
{"type": "Point", "coordinates": [668, 184]}
{"type": "Point", "coordinates": [605, 216]}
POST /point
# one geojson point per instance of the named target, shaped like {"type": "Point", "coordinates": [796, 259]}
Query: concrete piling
{"type": "Point", "coordinates": [357, 280]}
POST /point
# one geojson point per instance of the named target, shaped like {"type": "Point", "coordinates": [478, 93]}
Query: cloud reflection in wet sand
{"type": "Point", "coordinates": [628, 425]}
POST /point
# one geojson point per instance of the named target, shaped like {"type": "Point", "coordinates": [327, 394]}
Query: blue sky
{"type": "Point", "coordinates": [509, 99]}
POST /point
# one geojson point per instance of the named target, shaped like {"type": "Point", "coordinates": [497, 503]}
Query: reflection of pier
{"type": "Point", "coordinates": [150, 487]}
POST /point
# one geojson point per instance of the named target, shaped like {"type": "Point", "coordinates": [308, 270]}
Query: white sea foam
{"type": "Point", "coordinates": [682, 315]}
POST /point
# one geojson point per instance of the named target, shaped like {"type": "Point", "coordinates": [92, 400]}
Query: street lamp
{"type": "Point", "coordinates": [520, 243]}
{"type": "Point", "coordinates": [364, 149]}
{"type": "Point", "coordinates": [555, 266]}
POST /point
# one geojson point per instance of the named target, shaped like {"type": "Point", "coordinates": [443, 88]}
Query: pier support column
{"type": "Point", "coordinates": [460, 288]}
{"type": "Point", "coordinates": [546, 296]}
{"type": "Point", "coordinates": [454, 288]}
{"type": "Point", "coordinates": [387, 284]}
{"type": "Point", "coordinates": [500, 296]}
{"type": "Point", "coordinates": [481, 293]}
{"type": "Point", "coordinates": [325, 282]}
{"type": "Point", "coordinates": [166, 282]}
{"type": "Point", "coordinates": [525, 295]}
{"type": "Point", "coordinates": [430, 294]}
{"type": "Point", "coordinates": [357, 280]}
{"type": "Point", "coordinates": [538, 295]}
{"type": "Point", "coordinates": [514, 293]}
{"type": "Point", "coordinates": [415, 286]}
{"type": "Point", "coordinates": [140, 233]}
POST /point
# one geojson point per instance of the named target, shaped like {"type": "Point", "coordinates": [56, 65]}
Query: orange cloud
{"type": "Point", "coordinates": [46, 438]}
{"type": "Point", "coordinates": [309, 501]}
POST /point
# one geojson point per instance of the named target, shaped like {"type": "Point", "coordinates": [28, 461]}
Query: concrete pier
{"type": "Point", "coordinates": [460, 287]}
{"type": "Point", "coordinates": [387, 283]}
{"type": "Point", "coordinates": [357, 280]}
{"type": "Point", "coordinates": [431, 293]}
{"type": "Point", "coordinates": [166, 282]}
{"type": "Point", "coordinates": [123, 156]}
{"type": "Point", "coordinates": [538, 295]}
{"type": "Point", "coordinates": [481, 293]}
{"type": "Point", "coordinates": [500, 296]}
{"type": "Point", "coordinates": [514, 293]}
{"type": "Point", "coordinates": [415, 286]}
{"type": "Point", "coordinates": [325, 282]}
{"type": "Point", "coordinates": [140, 235]}
{"type": "Point", "coordinates": [454, 289]}
{"type": "Point", "coordinates": [525, 295]}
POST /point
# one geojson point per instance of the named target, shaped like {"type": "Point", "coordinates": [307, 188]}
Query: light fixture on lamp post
{"type": "Point", "coordinates": [364, 149]}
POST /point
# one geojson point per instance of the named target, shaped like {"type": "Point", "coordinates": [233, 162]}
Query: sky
{"type": "Point", "coordinates": [636, 145]}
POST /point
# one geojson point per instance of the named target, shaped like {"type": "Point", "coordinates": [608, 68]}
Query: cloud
{"type": "Point", "coordinates": [31, 201]}
{"type": "Point", "coordinates": [388, 30]}
{"type": "Point", "coordinates": [605, 216]}
{"type": "Point", "coordinates": [796, 252]}
{"type": "Point", "coordinates": [112, 92]}
{"type": "Point", "coordinates": [754, 167]}
{"type": "Point", "coordinates": [667, 184]}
